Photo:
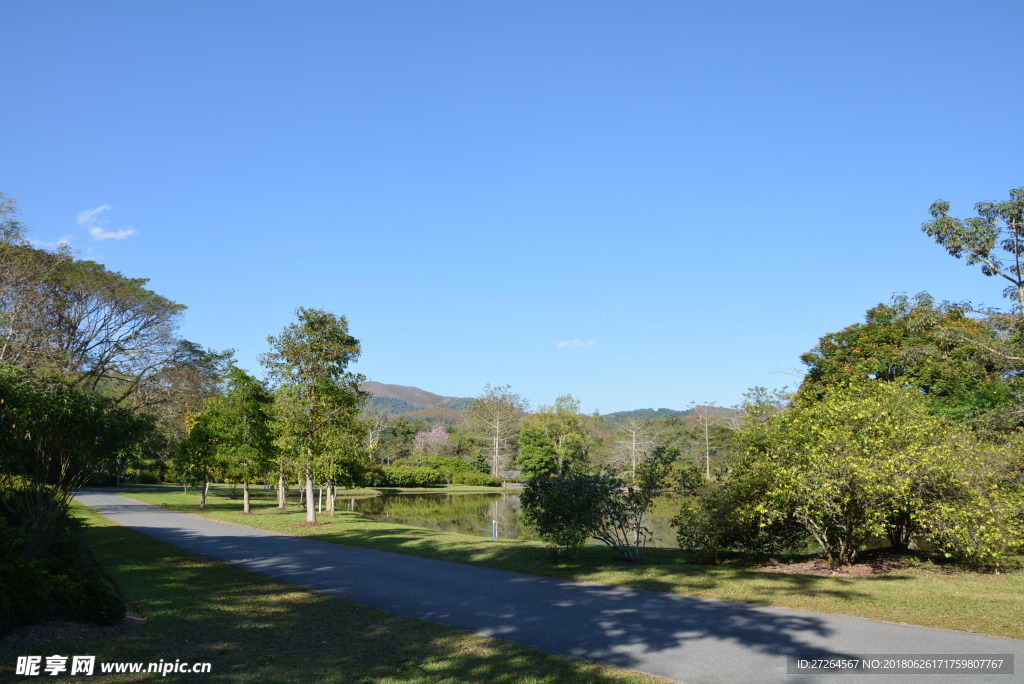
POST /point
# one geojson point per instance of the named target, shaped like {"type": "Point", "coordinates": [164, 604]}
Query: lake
{"type": "Point", "coordinates": [473, 513]}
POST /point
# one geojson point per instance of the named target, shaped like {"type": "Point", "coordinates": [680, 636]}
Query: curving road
{"type": "Point", "coordinates": [680, 638]}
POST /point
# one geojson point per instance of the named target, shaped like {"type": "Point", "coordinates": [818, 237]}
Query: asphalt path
{"type": "Point", "coordinates": [681, 638]}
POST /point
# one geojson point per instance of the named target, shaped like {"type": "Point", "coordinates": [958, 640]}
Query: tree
{"type": "Point", "coordinates": [53, 437]}
{"type": "Point", "coordinates": [199, 455]}
{"type": "Point", "coordinates": [709, 417]}
{"type": "Point", "coordinates": [555, 439]}
{"type": "Point", "coordinates": [75, 319]}
{"type": "Point", "coordinates": [247, 440]}
{"type": "Point", "coordinates": [948, 356]}
{"type": "Point", "coordinates": [994, 238]}
{"type": "Point", "coordinates": [635, 441]}
{"type": "Point", "coordinates": [855, 465]}
{"type": "Point", "coordinates": [309, 360]}
{"type": "Point", "coordinates": [433, 442]}
{"type": "Point", "coordinates": [497, 415]}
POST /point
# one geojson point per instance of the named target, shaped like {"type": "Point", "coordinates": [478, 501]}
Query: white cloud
{"type": "Point", "coordinates": [92, 219]}
{"type": "Point", "coordinates": [100, 234]}
{"type": "Point", "coordinates": [574, 343]}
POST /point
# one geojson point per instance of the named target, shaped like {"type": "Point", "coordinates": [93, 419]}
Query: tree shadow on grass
{"type": "Point", "coordinates": [252, 628]}
{"type": "Point", "coordinates": [616, 625]}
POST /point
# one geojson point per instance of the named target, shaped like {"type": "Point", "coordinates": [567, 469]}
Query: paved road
{"type": "Point", "coordinates": [680, 638]}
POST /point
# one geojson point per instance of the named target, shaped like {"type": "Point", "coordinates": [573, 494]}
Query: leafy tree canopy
{"type": "Point", "coordinates": [936, 348]}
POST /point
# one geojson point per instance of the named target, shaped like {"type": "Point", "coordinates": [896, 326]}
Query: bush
{"type": "Point", "coordinates": [410, 476]}
{"type": "Point", "coordinates": [721, 516]}
{"type": "Point", "coordinates": [566, 510]}
{"type": "Point", "coordinates": [475, 478]}
{"type": "Point", "coordinates": [94, 601]}
{"type": "Point", "coordinates": [45, 574]}
{"type": "Point", "coordinates": [148, 478]}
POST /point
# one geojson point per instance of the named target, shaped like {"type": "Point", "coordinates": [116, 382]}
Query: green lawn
{"type": "Point", "coordinates": [252, 628]}
{"type": "Point", "coordinates": [972, 602]}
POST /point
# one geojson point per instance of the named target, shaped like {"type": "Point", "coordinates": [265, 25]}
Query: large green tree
{"type": "Point", "coordinates": [947, 355]}
{"type": "Point", "coordinates": [321, 398]}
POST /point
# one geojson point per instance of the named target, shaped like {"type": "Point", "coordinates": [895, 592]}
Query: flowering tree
{"type": "Point", "coordinates": [433, 442]}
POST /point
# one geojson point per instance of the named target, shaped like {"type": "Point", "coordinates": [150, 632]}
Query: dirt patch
{"type": "Point", "coordinates": [66, 630]}
{"type": "Point", "coordinates": [312, 524]}
{"type": "Point", "coordinates": [867, 568]}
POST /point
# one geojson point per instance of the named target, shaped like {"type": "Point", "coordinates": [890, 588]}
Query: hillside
{"type": "Point", "coordinates": [414, 403]}
{"type": "Point", "coordinates": [403, 399]}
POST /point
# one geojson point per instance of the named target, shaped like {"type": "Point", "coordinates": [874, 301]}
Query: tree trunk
{"type": "Point", "coordinates": [310, 505]}
{"type": "Point", "coordinates": [330, 498]}
{"type": "Point", "coordinates": [282, 492]}
{"type": "Point", "coordinates": [206, 491]}
{"type": "Point", "coordinates": [245, 497]}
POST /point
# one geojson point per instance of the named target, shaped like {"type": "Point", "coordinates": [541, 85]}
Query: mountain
{"type": "Point", "coordinates": [400, 399]}
{"type": "Point", "coordinates": [644, 414]}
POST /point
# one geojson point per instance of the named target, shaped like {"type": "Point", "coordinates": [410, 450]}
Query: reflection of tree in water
{"type": "Point", "coordinates": [472, 514]}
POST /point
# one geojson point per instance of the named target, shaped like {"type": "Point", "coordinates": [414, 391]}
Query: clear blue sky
{"type": "Point", "coordinates": [685, 195]}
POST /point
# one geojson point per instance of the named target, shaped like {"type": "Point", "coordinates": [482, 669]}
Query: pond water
{"type": "Point", "coordinates": [473, 514]}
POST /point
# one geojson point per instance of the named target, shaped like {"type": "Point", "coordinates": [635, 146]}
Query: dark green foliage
{"type": "Point", "coordinates": [46, 574]}
{"type": "Point", "coordinates": [719, 516]}
{"type": "Point", "coordinates": [567, 509]}
{"type": "Point", "coordinates": [571, 508]}
{"type": "Point", "coordinates": [53, 437]}
{"type": "Point", "coordinates": [936, 348]}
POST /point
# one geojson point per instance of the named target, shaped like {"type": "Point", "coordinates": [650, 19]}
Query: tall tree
{"type": "Point", "coordinates": [994, 238]}
{"type": "Point", "coordinates": [310, 359]}
{"type": "Point", "coordinates": [75, 319]}
{"type": "Point", "coordinates": [248, 441]}
{"type": "Point", "coordinates": [497, 415]}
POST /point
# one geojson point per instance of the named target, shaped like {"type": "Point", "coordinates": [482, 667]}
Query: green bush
{"type": "Point", "coordinates": [45, 574]}
{"type": "Point", "coordinates": [475, 478]}
{"type": "Point", "coordinates": [411, 476]}
{"type": "Point", "coordinates": [94, 601]}
{"type": "Point", "coordinates": [148, 478]}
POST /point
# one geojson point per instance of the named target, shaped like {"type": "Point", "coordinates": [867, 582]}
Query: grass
{"type": "Point", "coordinates": [983, 603]}
{"type": "Point", "coordinates": [252, 628]}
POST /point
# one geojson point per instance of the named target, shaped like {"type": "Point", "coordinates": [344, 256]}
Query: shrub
{"type": "Point", "coordinates": [475, 478]}
{"type": "Point", "coordinates": [411, 476]}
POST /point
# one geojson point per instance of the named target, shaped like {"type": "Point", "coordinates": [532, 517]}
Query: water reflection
{"type": "Point", "coordinates": [473, 514]}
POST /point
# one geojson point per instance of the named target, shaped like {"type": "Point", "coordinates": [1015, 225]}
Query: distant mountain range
{"type": "Point", "coordinates": [417, 404]}
{"type": "Point", "coordinates": [401, 399]}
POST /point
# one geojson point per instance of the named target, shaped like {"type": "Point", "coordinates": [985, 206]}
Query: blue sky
{"type": "Point", "coordinates": [641, 203]}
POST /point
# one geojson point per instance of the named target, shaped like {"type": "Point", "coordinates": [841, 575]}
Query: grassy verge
{"type": "Point", "coordinates": [252, 628]}
{"type": "Point", "coordinates": [970, 602]}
